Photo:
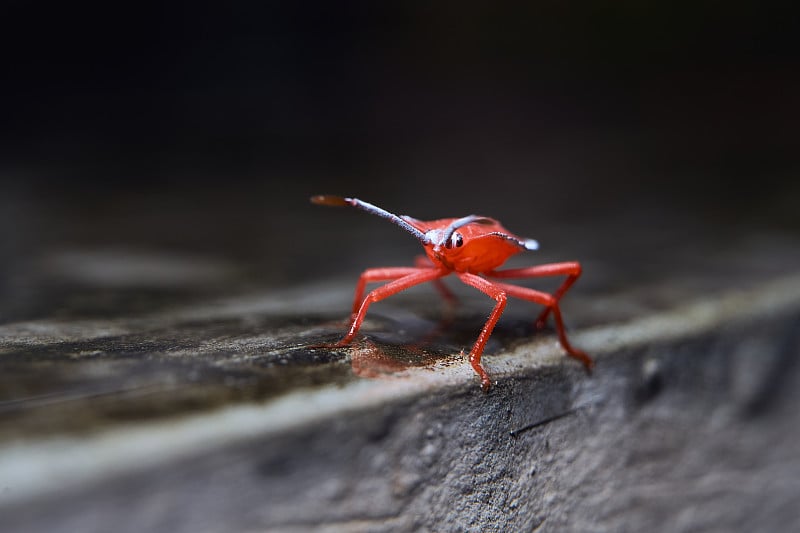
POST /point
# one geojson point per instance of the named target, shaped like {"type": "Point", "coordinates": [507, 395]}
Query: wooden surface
{"type": "Point", "coordinates": [223, 414]}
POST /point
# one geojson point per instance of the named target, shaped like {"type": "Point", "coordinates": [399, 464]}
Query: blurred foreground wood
{"type": "Point", "coordinates": [222, 415]}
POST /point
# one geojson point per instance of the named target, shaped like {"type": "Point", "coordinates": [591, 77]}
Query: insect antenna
{"type": "Point", "coordinates": [339, 201]}
{"type": "Point", "coordinates": [528, 244]}
{"type": "Point", "coordinates": [463, 221]}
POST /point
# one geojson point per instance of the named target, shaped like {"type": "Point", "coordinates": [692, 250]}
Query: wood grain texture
{"type": "Point", "coordinates": [688, 423]}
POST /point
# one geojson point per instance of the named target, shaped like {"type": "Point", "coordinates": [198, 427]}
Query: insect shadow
{"type": "Point", "coordinates": [400, 340]}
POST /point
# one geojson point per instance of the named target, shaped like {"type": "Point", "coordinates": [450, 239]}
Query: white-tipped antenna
{"type": "Point", "coordinates": [463, 221]}
{"type": "Point", "coordinates": [339, 201]}
{"type": "Point", "coordinates": [528, 244]}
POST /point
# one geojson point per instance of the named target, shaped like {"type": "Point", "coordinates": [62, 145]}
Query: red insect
{"type": "Point", "coordinates": [472, 247]}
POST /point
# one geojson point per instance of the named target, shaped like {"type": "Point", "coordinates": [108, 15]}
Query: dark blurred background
{"type": "Point", "coordinates": [150, 136]}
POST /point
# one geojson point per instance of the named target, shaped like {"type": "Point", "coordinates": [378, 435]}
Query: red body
{"type": "Point", "coordinates": [482, 251]}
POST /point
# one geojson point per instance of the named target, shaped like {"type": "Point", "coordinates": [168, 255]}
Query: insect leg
{"type": "Point", "coordinates": [378, 274]}
{"type": "Point", "coordinates": [450, 299]}
{"type": "Point", "coordinates": [497, 293]}
{"type": "Point", "coordinates": [551, 302]}
{"type": "Point", "coordinates": [571, 269]}
{"type": "Point", "coordinates": [415, 276]}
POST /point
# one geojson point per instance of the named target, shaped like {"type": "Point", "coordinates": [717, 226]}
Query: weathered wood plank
{"type": "Point", "coordinates": [688, 423]}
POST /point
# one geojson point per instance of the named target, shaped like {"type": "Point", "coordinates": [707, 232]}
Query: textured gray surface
{"type": "Point", "coordinates": [173, 391]}
{"type": "Point", "coordinates": [688, 424]}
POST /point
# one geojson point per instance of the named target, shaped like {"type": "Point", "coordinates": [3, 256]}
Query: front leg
{"type": "Point", "coordinates": [378, 274]}
{"type": "Point", "coordinates": [499, 295]}
{"type": "Point", "coordinates": [414, 276]}
{"type": "Point", "coordinates": [571, 269]}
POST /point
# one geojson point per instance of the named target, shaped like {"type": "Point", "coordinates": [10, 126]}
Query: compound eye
{"type": "Point", "coordinates": [456, 240]}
